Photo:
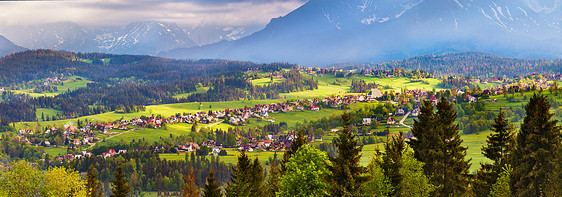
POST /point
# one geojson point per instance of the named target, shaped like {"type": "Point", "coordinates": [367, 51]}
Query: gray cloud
{"type": "Point", "coordinates": [121, 12]}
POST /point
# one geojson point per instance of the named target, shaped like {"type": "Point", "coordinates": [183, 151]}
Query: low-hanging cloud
{"type": "Point", "coordinates": [120, 12]}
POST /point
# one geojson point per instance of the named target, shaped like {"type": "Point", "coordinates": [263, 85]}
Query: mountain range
{"type": "Point", "coordinates": [8, 47]}
{"type": "Point", "coordinates": [324, 32]}
{"type": "Point", "coordinates": [142, 38]}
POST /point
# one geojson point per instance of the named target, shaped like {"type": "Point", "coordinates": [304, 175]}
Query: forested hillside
{"type": "Point", "coordinates": [474, 64]}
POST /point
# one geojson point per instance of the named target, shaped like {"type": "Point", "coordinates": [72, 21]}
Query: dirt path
{"type": "Point", "coordinates": [404, 118]}
{"type": "Point", "coordinates": [94, 144]}
{"type": "Point", "coordinates": [216, 123]}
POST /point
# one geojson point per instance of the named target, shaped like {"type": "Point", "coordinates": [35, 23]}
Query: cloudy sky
{"type": "Point", "coordinates": [121, 12]}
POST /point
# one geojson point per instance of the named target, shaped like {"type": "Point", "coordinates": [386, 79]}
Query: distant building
{"type": "Point", "coordinates": [374, 94]}
{"type": "Point", "coordinates": [366, 121]}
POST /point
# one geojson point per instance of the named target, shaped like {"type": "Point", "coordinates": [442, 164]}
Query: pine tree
{"type": "Point", "coordinates": [257, 179]}
{"type": "Point", "coordinates": [212, 187]}
{"type": "Point", "coordinates": [346, 177]}
{"type": "Point", "coordinates": [455, 172]}
{"type": "Point", "coordinates": [392, 159]}
{"type": "Point", "coordinates": [438, 145]}
{"type": "Point", "coordinates": [534, 158]}
{"type": "Point", "coordinates": [299, 141]}
{"type": "Point", "coordinates": [93, 185]}
{"type": "Point", "coordinates": [190, 189]}
{"type": "Point", "coordinates": [120, 188]}
{"type": "Point", "coordinates": [501, 186]}
{"type": "Point", "coordinates": [499, 145]}
{"type": "Point", "coordinates": [239, 180]}
{"type": "Point", "coordinates": [273, 179]}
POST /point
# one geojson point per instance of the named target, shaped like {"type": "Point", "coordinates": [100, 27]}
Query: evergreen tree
{"type": "Point", "coordinates": [190, 189]}
{"type": "Point", "coordinates": [299, 141]}
{"type": "Point", "coordinates": [93, 185]}
{"type": "Point", "coordinates": [239, 180]}
{"type": "Point", "coordinates": [534, 158]}
{"type": "Point", "coordinates": [120, 187]}
{"type": "Point", "coordinates": [392, 159]}
{"type": "Point", "coordinates": [346, 173]}
{"type": "Point", "coordinates": [274, 176]}
{"type": "Point", "coordinates": [438, 145]}
{"type": "Point", "coordinates": [257, 179]}
{"type": "Point", "coordinates": [455, 172]}
{"type": "Point", "coordinates": [501, 185]}
{"type": "Point", "coordinates": [212, 187]}
{"type": "Point", "coordinates": [497, 148]}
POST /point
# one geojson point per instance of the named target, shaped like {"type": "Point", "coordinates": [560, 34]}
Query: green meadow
{"type": "Point", "coordinates": [70, 84]}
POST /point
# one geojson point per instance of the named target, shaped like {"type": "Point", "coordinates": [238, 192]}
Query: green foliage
{"type": "Point", "coordinates": [93, 185]}
{"type": "Point", "coordinates": [120, 187]}
{"type": "Point", "coordinates": [438, 145]}
{"type": "Point", "coordinates": [247, 178]}
{"type": "Point", "coordinates": [59, 180]}
{"type": "Point", "coordinates": [299, 141]}
{"type": "Point", "coordinates": [534, 158]}
{"type": "Point", "coordinates": [20, 179]}
{"type": "Point", "coordinates": [305, 173]}
{"type": "Point", "coordinates": [498, 148]}
{"type": "Point", "coordinates": [414, 181]}
{"type": "Point", "coordinates": [274, 177]}
{"type": "Point", "coordinates": [212, 186]}
{"type": "Point", "coordinates": [501, 186]}
{"type": "Point", "coordinates": [346, 173]}
{"type": "Point", "coordinates": [378, 184]}
{"type": "Point", "coordinates": [392, 159]}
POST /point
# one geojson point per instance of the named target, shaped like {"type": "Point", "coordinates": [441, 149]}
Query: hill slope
{"type": "Point", "coordinates": [324, 32]}
{"type": "Point", "coordinates": [8, 47]}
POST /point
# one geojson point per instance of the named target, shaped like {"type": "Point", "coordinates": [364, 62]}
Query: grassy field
{"type": "Point", "coordinates": [398, 83]}
{"type": "Point", "coordinates": [46, 112]}
{"type": "Point", "coordinates": [199, 90]}
{"type": "Point", "coordinates": [165, 110]}
{"type": "Point", "coordinates": [266, 81]}
{"type": "Point", "coordinates": [70, 84]}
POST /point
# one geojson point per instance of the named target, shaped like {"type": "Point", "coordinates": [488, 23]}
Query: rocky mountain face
{"type": "Point", "coordinates": [324, 32]}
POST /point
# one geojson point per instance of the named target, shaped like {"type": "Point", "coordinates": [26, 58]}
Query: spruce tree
{"type": "Point", "coordinates": [534, 158]}
{"type": "Point", "coordinates": [239, 179]}
{"type": "Point", "coordinates": [438, 145]}
{"type": "Point", "coordinates": [93, 185]}
{"type": "Point", "coordinates": [426, 142]}
{"type": "Point", "coordinates": [212, 188]}
{"type": "Point", "coordinates": [455, 179]}
{"type": "Point", "coordinates": [346, 177]}
{"type": "Point", "coordinates": [498, 147]}
{"type": "Point", "coordinates": [273, 179]}
{"type": "Point", "coordinates": [257, 179]}
{"type": "Point", "coordinates": [392, 159]}
{"type": "Point", "coordinates": [298, 141]}
{"type": "Point", "coordinates": [120, 187]}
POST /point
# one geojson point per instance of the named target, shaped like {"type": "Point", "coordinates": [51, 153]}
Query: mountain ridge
{"type": "Point", "coordinates": [323, 32]}
{"type": "Point", "coordinates": [7, 47]}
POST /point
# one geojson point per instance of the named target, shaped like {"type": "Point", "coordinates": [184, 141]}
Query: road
{"type": "Point", "coordinates": [404, 118]}
{"type": "Point", "coordinates": [199, 128]}
{"type": "Point", "coordinates": [93, 144]}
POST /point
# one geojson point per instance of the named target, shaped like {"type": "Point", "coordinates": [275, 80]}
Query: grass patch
{"type": "Point", "coordinates": [199, 90]}
{"type": "Point", "coordinates": [266, 81]}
